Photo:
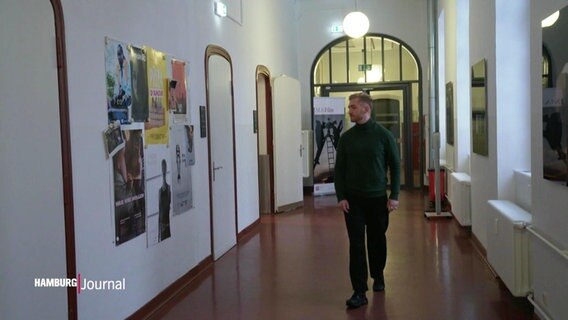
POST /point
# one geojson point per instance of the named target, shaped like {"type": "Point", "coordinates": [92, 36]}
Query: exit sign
{"type": "Point", "coordinates": [336, 28]}
{"type": "Point", "coordinates": [364, 67]}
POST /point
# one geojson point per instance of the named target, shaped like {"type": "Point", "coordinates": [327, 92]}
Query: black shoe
{"type": "Point", "coordinates": [379, 284]}
{"type": "Point", "coordinates": [356, 300]}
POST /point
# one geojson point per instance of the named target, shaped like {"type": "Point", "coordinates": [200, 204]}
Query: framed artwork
{"type": "Point", "coordinates": [450, 113]}
{"type": "Point", "coordinates": [479, 130]}
{"type": "Point", "coordinates": [555, 102]}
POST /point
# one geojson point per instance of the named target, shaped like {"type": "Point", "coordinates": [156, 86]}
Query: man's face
{"type": "Point", "coordinates": [357, 110]}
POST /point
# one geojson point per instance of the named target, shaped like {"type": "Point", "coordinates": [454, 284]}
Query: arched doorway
{"type": "Point", "coordinates": [265, 145]}
{"type": "Point", "coordinates": [389, 70]}
{"type": "Point", "coordinates": [221, 144]}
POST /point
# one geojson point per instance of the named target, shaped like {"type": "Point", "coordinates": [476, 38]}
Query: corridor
{"type": "Point", "coordinates": [294, 266]}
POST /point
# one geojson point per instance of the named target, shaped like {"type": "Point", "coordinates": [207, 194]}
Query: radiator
{"type": "Point", "coordinates": [460, 197]}
{"type": "Point", "coordinates": [508, 245]}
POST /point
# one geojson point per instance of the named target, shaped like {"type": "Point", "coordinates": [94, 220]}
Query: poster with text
{"type": "Point", "coordinates": [159, 193]}
{"type": "Point", "coordinates": [118, 81]}
{"type": "Point", "coordinates": [139, 84]}
{"type": "Point", "coordinates": [178, 94]}
{"type": "Point", "coordinates": [181, 171]}
{"type": "Point", "coordinates": [329, 114]}
{"type": "Point", "coordinates": [129, 192]}
{"type": "Point", "coordinates": [157, 126]}
{"type": "Point", "coordinates": [555, 136]}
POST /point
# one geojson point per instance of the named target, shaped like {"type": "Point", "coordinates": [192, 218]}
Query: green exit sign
{"type": "Point", "coordinates": [364, 67]}
{"type": "Point", "coordinates": [336, 28]}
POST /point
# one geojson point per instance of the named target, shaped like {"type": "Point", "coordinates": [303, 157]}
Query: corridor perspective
{"type": "Point", "coordinates": [294, 266]}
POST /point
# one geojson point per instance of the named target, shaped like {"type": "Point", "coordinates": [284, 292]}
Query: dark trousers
{"type": "Point", "coordinates": [370, 214]}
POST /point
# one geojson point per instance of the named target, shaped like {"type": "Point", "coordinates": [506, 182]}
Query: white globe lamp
{"type": "Point", "coordinates": [356, 24]}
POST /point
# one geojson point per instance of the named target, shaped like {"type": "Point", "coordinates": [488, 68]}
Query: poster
{"type": "Point", "coordinates": [329, 115]}
{"type": "Point", "coordinates": [129, 193]}
{"type": "Point", "coordinates": [555, 136]}
{"type": "Point", "coordinates": [157, 126]}
{"type": "Point", "coordinates": [113, 139]}
{"type": "Point", "coordinates": [139, 76]}
{"type": "Point", "coordinates": [118, 81]}
{"type": "Point", "coordinates": [159, 193]}
{"type": "Point", "coordinates": [178, 95]}
{"type": "Point", "coordinates": [182, 160]}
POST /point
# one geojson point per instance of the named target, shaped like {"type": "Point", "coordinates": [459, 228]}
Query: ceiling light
{"type": "Point", "coordinates": [550, 20]}
{"type": "Point", "coordinates": [356, 24]}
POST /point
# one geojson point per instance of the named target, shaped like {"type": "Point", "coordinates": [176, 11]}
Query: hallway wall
{"type": "Point", "coordinates": [549, 199]}
{"type": "Point", "coordinates": [182, 29]}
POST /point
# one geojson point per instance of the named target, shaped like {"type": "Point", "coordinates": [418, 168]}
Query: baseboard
{"type": "Point", "coordinates": [482, 253]}
{"type": "Point", "coordinates": [248, 230]}
{"type": "Point", "coordinates": [159, 305]}
{"type": "Point", "coordinates": [290, 207]}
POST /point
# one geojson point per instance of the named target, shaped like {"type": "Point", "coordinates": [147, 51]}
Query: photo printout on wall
{"type": "Point", "coordinates": [181, 169]}
{"type": "Point", "coordinates": [118, 81]}
{"type": "Point", "coordinates": [139, 84]}
{"type": "Point", "coordinates": [159, 182]}
{"type": "Point", "coordinates": [157, 128]}
{"type": "Point", "coordinates": [179, 94]}
{"type": "Point", "coordinates": [129, 191]}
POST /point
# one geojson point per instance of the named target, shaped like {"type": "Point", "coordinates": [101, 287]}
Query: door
{"type": "Point", "coordinates": [221, 152]}
{"type": "Point", "coordinates": [391, 108]}
{"type": "Point", "coordinates": [264, 140]}
{"type": "Point", "coordinates": [287, 143]}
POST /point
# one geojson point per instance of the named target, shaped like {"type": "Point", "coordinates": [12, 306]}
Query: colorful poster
{"type": "Point", "coordinates": [157, 126]}
{"type": "Point", "coordinates": [129, 195]}
{"type": "Point", "coordinates": [329, 114]}
{"type": "Point", "coordinates": [182, 149]}
{"type": "Point", "coordinates": [118, 81]}
{"type": "Point", "coordinates": [139, 84]}
{"type": "Point", "coordinates": [178, 94]}
{"type": "Point", "coordinates": [159, 193]}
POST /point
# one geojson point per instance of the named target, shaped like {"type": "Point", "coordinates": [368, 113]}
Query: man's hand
{"type": "Point", "coordinates": [392, 205]}
{"type": "Point", "coordinates": [344, 205]}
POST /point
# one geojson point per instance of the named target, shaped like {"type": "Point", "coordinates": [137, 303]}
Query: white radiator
{"type": "Point", "coordinates": [460, 197]}
{"type": "Point", "coordinates": [508, 245]}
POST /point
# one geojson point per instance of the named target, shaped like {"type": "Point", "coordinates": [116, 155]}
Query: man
{"type": "Point", "coordinates": [363, 155]}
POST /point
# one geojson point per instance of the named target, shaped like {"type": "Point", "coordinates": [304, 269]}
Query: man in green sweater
{"type": "Point", "coordinates": [365, 154]}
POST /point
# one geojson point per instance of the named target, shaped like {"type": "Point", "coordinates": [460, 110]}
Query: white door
{"type": "Point", "coordinates": [222, 161]}
{"type": "Point", "coordinates": [32, 226]}
{"type": "Point", "coordinates": [287, 143]}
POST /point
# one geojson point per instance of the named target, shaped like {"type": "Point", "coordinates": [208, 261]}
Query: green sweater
{"type": "Point", "coordinates": [363, 155]}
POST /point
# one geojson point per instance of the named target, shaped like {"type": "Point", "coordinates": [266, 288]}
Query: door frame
{"type": "Point", "coordinates": [66, 164]}
{"type": "Point", "coordinates": [264, 73]}
{"type": "Point", "coordinates": [407, 114]}
{"type": "Point", "coordinates": [212, 50]}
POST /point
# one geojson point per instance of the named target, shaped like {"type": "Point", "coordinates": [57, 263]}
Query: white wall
{"type": "Point", "coordinates": [457, 70]}
{"type": "Point", "coordinates": [405, 20]}
{"type": "Point", "coordinates": [483, 169]}
{"type": "Point", "coordinates": [182, 29]}
{"type": "Point", "coordinates": [32, 234]}
{"type": "Point", "coordinates": [549, 200]}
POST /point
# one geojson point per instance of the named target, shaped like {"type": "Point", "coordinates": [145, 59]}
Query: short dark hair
{"type": "Point", "coordinates": [362, 97]}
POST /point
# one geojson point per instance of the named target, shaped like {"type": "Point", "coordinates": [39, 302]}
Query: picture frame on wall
{"type": "Point", "coordinates": [450, 113]}
{"type": "Point", "coordinates": [479, 125]}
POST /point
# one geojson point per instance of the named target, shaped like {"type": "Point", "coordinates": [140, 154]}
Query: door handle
{"type": "Point", "coordinates": [215, 169]}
